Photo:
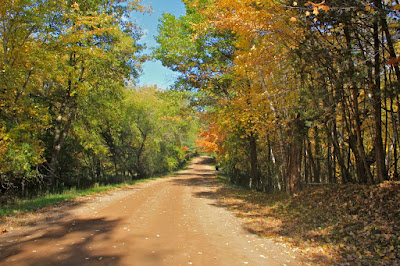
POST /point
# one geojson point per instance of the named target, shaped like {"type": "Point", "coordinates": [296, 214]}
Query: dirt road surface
{"type": "Point", "coordinates": [168, 221]}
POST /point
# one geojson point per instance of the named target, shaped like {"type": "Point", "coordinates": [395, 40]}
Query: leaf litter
{"type": "Point", "coordinates": [343, 224]}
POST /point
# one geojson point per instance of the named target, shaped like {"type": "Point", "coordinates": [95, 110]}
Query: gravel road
{"type": "Point", "coordinates": [168, 221]}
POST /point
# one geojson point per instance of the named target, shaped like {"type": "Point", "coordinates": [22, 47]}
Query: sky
{"type": "Point", "coordinates": [154, 72]}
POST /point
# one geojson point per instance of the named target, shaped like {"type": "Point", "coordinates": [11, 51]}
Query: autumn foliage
{"type": "Point", "coordinates": [210, 140]}
{"type": "Point", "coordinates": [69, 113]}
{"type": "Point", "coordinates": [292, 95]}
{"type": "Point", "coordinates": [303, 91]}
{"type": "Point", "coordinates": [300, 94]}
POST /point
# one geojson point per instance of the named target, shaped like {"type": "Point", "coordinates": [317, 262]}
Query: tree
{"type": "Point", "coordinates": [304, 79]}
{"type": "Point", "coordinates": [52, 53]}
{"type": "Point", "coordinates": [93, 47]}
{"type": "Point", "coordinates": [151, 133]}
{"type": "Point", "coordinates": [201, 57]}
{"type": "Point", "coordinates": [22, 64]}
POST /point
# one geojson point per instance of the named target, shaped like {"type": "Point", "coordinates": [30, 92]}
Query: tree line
{"type": "Point", "coordinates": [69, 113]}
{"type": "Point", "coordinates": [295, 92]}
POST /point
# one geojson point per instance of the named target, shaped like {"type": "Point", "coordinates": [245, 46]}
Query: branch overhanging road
{"type": "Point", "coordinates": [168, 221]}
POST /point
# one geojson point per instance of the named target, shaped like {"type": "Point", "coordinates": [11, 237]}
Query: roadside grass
{"type": "Point", "coordinates": [344, 224]}
{"type": "Point", "coordinates": [21, 206]}
{"type": "Point", "coordinates": [225, 180]}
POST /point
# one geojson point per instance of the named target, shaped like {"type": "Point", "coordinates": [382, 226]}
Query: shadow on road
{"type": "Point", "coordinates": [246, 204]}
{"type": "Point", "coordinates": [61, 243]}
{"type": "Point", "coordinates": [206, 180]}
{"type": "Point", "coordinates": [196, 175]}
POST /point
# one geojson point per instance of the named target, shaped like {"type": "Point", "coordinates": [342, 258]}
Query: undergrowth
{"type": "Point", "coordinates": [30, 205]}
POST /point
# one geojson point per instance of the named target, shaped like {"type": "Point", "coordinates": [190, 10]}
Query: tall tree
{"type": "Point", "coordinates": [52, 55]}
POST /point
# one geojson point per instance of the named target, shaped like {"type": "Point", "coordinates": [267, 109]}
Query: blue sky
{"type": "Point", "coordinates": [154, 72]}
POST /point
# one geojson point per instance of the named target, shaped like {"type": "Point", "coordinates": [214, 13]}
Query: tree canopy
{"type": "Point", "coordinates": [306, 92]}
{"type": "Point", "coordinates": [68, 116]}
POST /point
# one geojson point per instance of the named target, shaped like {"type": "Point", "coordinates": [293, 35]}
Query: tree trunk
{"type": "Point", "coordinates": [395, 144]}
{"type": "Point", "coordinates": [376, 101]}
{"type": "Point", "coordinates": [308, 147]}
{"type": "Point", "coordinates": [360, 142]}
{"type": "Point", "coordinates": [329, 163]}
{"type": "Point", "coordinates": [64, 119]}
{"type": "Point", "coordinates": [356, 113]}
{"type": "Point", "coordinates": [294, 156]}
{"type": "Point", "coordinates": [360, 169]}
{"type": "Point", "coordinates": [108, 138]}
{"type": "Point", "coordinates": [270, 168]}
{"type": "Point", "coordinates": [337, 153]}
{"type": "Point", "coordinates": [305, 163]}
{"type": "Point", "coordinates": [317, 176]}
{"type": "Point", "coordinates": [140, 167]}
{"type": "Point", "coordinates": [255, 181]}
{"type": "Point", "coordinates": [61, 131]}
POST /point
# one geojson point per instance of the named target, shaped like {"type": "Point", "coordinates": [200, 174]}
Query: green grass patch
{"type": "Point", "coordinates": [21, 206]}
{"type": "Point", "coordinates": [49, 199]}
